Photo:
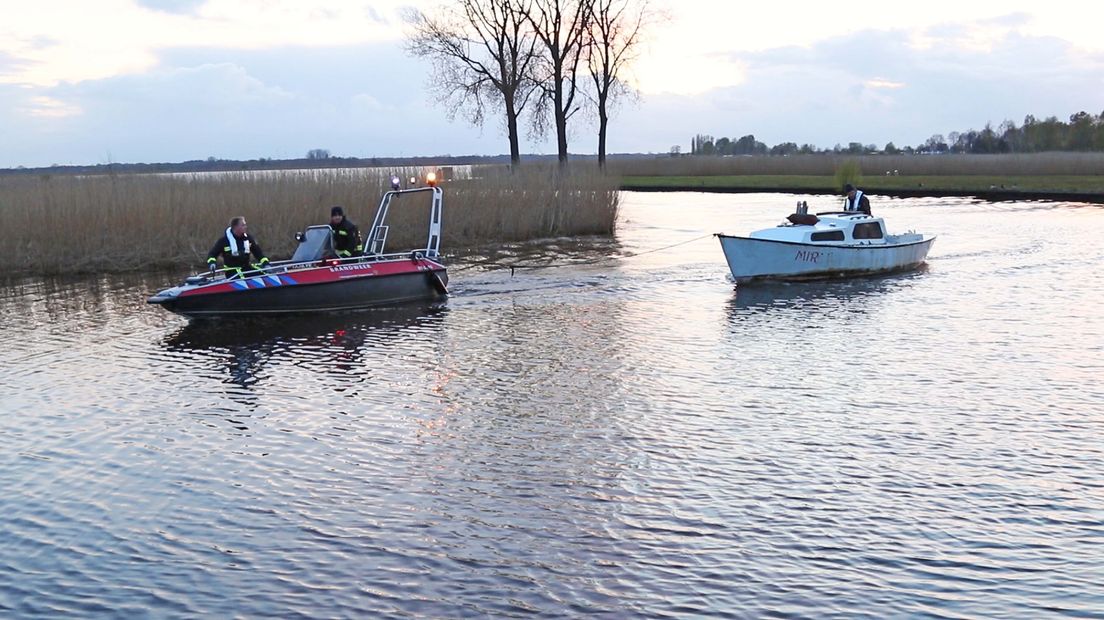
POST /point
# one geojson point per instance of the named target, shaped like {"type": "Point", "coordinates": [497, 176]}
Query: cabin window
{"type": "Point", "coordinates": [869, 230]}
{"type": "Point", "coordinates": [828, 235]}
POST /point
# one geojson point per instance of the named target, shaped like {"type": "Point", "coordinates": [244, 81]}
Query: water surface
{"type": "Point", "coordinates": [622, 431]}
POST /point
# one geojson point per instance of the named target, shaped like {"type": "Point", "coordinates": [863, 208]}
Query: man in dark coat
{"type": "Point", "coordinates": [856, 200]}
{"type": "Point", "coordinates": [345, 234]}
{"type": "Point", "coordinates": [235, 246]}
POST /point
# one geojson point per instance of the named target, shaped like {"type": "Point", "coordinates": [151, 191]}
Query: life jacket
{"type": "Point", "coordinates": [233, 245]}
{"type": "Point", "coordinates": [850, 204]}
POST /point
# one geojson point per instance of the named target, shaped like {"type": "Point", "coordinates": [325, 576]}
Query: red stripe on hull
{"type": "Point", "coordinates": [318, 275]}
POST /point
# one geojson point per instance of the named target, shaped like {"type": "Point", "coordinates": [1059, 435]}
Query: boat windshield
{"type": "Point", "coordinates": [316, 244]}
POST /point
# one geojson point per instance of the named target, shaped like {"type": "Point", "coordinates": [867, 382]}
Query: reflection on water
{"type": "Point", "coordinates": [546, 253]}
{"type": "Point", "coordinates": [333, 343]}
{"type": "Point", "coordinates": [618, 432]}
{"type": "Point", "coordinates": [761, 296]}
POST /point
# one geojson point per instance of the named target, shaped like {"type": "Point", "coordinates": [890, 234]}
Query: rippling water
{"type": "Point", "coordinates": [631, 436]}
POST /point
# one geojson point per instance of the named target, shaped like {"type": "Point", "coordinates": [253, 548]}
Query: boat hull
{"type": "Point", "coordinates": [752, 259]}
{"type": "Point", "coordinates": [318, 290]}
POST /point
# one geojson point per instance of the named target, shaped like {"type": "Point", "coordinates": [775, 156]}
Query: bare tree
{"type": "Point", "coordinates": [615, 31]}
{"type": "Point", "coordinates": [483, 52]}
{"type": "Point", "coordinates": [561, 26]}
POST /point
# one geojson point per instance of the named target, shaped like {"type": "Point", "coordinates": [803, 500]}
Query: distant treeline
{"type": "Point", "coordinates": [312, 162]}
{"type": "Point", "coordinates": [1083, 133]}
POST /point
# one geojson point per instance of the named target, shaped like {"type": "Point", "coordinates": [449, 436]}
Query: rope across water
{"type": "Point", "coordinates": [515, 266]}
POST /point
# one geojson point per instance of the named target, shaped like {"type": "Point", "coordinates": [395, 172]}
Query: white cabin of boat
{"type": "Point", "coordinates": [835, 228]}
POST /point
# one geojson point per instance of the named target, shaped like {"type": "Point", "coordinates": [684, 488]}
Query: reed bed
{"type": "Point", "coordinates": [1028, 164]}
{"type": "Point", "coordinates": [71, 224]}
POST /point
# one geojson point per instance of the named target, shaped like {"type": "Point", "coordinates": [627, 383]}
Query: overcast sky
{"type": "Point", "coordinates": [85, 82]}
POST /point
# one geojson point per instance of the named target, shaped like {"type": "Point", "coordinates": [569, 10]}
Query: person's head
{"type": "Point", "coordinates": [238, 226]}
{"type": "Point", "coordinates": [848, 189]}
{"type": "Point", "coordinates": [337, 214]}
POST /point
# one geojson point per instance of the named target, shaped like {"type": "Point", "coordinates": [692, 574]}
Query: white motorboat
{"type": "Point", "coordinates": [825, 245]}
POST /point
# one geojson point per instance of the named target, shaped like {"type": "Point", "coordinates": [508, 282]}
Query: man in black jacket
{"type": "Point", "coordinates": [346, 235]}
{"type": "Point", "coordinates": [235, 246]}
{"type": "Point", "coordinates": [856, 200]}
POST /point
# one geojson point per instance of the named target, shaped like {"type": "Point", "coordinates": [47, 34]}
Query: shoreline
{"type": "Point", "coordinates": [998, 195]}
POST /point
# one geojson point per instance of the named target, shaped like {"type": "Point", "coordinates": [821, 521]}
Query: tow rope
{"type": "Point", "coordinates": [515, 266]}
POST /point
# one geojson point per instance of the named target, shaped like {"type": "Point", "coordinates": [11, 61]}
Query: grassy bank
{"type": "Point", "coordinates": [1033, 164]}
{"type": "Point", "coordinates": [1052, 186]}
{"type": "Point", "coordinates": [70, 223]}
{"type": "Point", "coordinates": [1044, 175]}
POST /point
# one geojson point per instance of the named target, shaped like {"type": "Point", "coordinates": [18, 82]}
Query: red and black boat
{"type": "Point", "coordinates": [315, 280]}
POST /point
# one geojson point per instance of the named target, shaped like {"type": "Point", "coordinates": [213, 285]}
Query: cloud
{"type": "Point", "coordinates": [217, 85]}
{"type": "Point", "coordinates": [95, 40]}
{"type": "Point", "coordinates": [48, 107]}
{"type": "Point", "coordinates": [9, 64]}
{"type": "Point", "coordinates": [977, 36]}
{"type": "Point", "coordinates": [879, 83]}
{"type": "Point", "coordinates": [361, 101]}
{"type": "Point", "coordinates": [370, 99]}
{"type": "Point", "coordinates": [367, 103]}
{"type": "Point", "coordinates": [877, 86]}
{"type": "Point", "coordinates": [172, 6]}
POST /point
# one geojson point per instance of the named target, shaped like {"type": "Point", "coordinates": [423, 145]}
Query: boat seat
{"type": "Point", "coordinates": [315, 243]}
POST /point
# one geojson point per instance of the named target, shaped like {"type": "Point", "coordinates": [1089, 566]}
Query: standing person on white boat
{"type": "Point", "coordinates": [855, 200]}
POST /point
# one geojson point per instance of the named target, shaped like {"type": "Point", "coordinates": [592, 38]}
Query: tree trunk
{"type": "Point", "coordinates": [561, 124]}
{"type": "Point", "coordinates": [512, 129]}
{"type": "Point", "coordinates": [603, 121]}
{"type": "Point", "coordinates": [561, 137]}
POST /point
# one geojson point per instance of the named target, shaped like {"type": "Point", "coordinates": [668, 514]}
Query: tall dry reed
{"type": "Point", "coordinates": [1027, 164]}
{"type": "Point", "coordinates": [70, 223]}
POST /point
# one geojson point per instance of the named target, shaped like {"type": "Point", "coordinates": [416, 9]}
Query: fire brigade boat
{"type": "Point", "coordinates": [316, 280]}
